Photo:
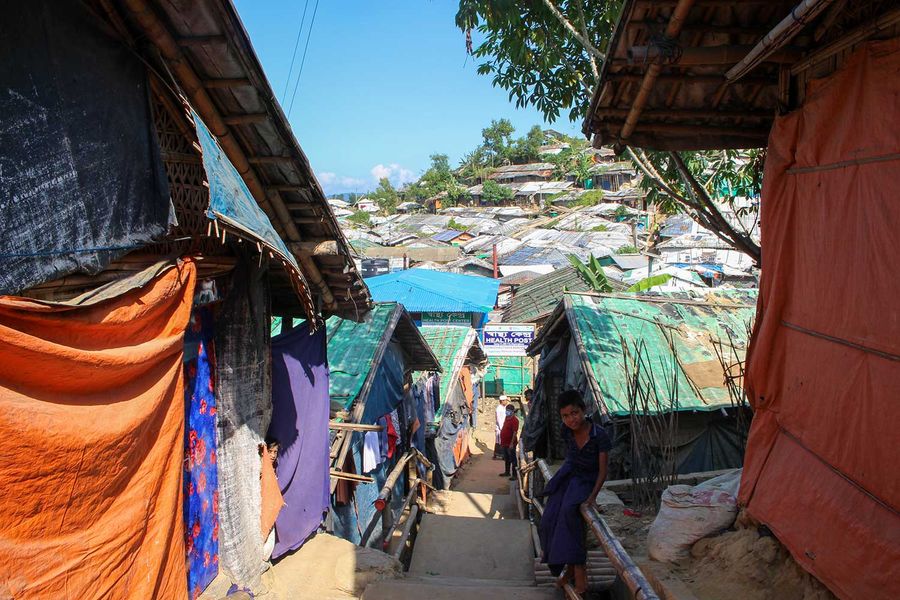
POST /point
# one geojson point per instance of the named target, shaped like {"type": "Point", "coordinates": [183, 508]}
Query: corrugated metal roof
{"type": "Point", "coordinates": [627, 262]}
{"type": "Point", "coordinates": [537, 298]}
{"type": "Point", "coordinates": [448, 235]}
{"type": "Point", "coordinates": [423, 290]}
{"type": "Point", "coordinates": [536, 255]}
{"type": "Point", "coordinates": [694, 321]}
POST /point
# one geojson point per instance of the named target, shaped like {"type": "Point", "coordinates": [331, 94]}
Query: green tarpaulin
{"type": "Point", "coordinates": [694, 323]}
{"type": "Point", "coordinates": [510, 375]}
{"type": "Point", "coordinates": [351, 352]}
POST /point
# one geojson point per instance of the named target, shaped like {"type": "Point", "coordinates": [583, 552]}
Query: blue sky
{"type": "Point", "coordinates": [385, 84]}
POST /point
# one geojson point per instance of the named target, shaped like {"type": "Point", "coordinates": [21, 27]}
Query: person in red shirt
{"type": "Point", "coordinates": [509, 438]}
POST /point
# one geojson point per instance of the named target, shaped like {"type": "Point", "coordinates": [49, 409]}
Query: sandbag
{"type": "Point", "coordinates": [689, 513]}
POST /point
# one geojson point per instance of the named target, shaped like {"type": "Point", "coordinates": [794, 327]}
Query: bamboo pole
{"type": "Point", "coordinates": [673, 28]}
{"type": "Point", "coordinates": [351, 476]}
{"type": "Point", "coordinates": [407, 529]}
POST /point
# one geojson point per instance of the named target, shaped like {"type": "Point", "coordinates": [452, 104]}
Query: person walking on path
{"type": "Point", "coordinates": [577, 483]}
{"type": "Point", "coordinates": [509, 438]}
{"type": "Point", "coordinates": [500, 417]}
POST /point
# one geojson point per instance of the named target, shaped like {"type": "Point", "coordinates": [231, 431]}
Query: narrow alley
{"type": "Point", "coordinates": [279, 281]}
{"type": "Point", "coordinates": [474, 544]}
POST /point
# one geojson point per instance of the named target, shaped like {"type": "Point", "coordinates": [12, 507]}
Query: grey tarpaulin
{"type": "Point", "coordinates": [81, 179]}
{"type": "Point", "coordinates": [244, 397]}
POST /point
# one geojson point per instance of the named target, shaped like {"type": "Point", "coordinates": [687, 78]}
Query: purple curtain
{"type": "Point", "coordinates": [300, 410]}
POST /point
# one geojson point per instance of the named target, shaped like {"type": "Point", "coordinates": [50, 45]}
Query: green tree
{"type": "Point", "coordinates": [494, 193]}
{"type": "Point", "coordinates": [527, 149]}
{"type": "Point", "coordinates": [496, 137]}
{"type": "Point", "coordinates": [438, 178]}
{"type": "Point", "coordinates": [456, 225]}
{"type": "Point", "coordinates": [385, 196]}
{"type": "Point", "coordinates": [360, 217]}
{"type": "Point", "coordinates": [548, 54]}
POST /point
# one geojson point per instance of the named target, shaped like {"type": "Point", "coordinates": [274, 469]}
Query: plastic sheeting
{"type": "Point", "coordinates": [82, 181]}
{"type": "Point", "coordinates": [300, 406]}
{"type": "Point", "coordinates": [91, 444]}
{"type": "Point", "coordinates": [358, 521]}
{"type": "Point", "coordinates": [824, 366]}
{"type": "Point", "coordinates": [231, 202]}
{"type": "Point", "coordinates": [243, 384]}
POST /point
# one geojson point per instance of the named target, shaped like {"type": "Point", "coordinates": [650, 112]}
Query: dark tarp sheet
{"type": "Point", "coordinates": [440, 448]}
{"type": "Point", "coordinates": [81, 180]}
{"type": "Point", "coordinates": [358, 521]}
{"type": "Point", "coordinates": [300, 407]}
{"type": "Point", "coordinates": [386, 392]}
{"type": "Point", "coordinates": [244, 396]}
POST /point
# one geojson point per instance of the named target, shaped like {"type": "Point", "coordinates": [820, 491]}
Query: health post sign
{"type": "Point", "coordinates": [507, 339]}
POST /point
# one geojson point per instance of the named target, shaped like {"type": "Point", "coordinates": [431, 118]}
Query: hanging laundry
{"type": "Point", "coordinates": [371, 454]}
{"type": "Point", "coordinates": [392, 425]}
{"type": "Point", "coordinates": [201, 485]}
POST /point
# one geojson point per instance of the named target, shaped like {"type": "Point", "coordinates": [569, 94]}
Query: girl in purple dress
{"type": "Point", "coordinates": [577, 483]}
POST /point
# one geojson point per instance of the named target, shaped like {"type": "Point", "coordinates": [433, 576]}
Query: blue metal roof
{"type": "Point", "coordinates": [424, 290]}
{"type": "Point", "coordinates": [447, 235]}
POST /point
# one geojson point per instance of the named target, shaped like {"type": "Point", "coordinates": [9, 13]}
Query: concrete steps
{"type": "Point", "coordinates": [424, 589]}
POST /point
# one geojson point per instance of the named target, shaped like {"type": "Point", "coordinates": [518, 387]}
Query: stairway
{"type": "Point", "coordinates": [473, 547]}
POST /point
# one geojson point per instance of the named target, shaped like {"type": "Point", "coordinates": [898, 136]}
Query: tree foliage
{"type": "Point", "coordinates": [360, 217]}
{"type": "Point", "coordinates": [385, 196]}
{"type": "Point", "coordinates": [592, 273]}
{"type": "Point", "coordinates": [532, 53]}
{"type": "Point", "coordinates": [494, 193]}
{"type": "Point", "coordinates": [548, 54]}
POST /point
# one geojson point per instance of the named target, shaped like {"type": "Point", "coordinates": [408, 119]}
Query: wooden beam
{"type": "Point", "coordinates": [269, 160]}
{"type": "Point", "coordinates": [226, 82]}
{"type": "Point", "coordinates": [246, 119]}
{"type": "Point", "coordinates": [315, 248]}
{"type": "Point", "coordinates": [703, 28]}
{"type": "Point", "coordinates": [688, 79]}
{"type": "Point", "coordinates": [193, 41]}
{"type": "Point", "coordinates": [700, 114]}
{"type": "Point", "coordinates": [706, 55]}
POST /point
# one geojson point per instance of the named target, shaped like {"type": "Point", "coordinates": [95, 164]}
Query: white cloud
{"type": "Point", "coordinates": [333, 183]}
{"type": "Point", "coordinates": [394, 172]}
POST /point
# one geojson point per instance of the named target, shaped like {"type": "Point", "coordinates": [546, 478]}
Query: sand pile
{"type": "Point", "coordinates": [749, 563]}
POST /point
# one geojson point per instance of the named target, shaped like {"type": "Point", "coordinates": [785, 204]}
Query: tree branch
{"type": "Point", "coordinates": [741, 241]}
{"type": "Point", "coordinates": [594, 69]}
{"type": "Point", "coordinates": [571, 29]}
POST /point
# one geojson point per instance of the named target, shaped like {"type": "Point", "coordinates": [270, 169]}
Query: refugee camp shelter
{"type": "Point", "coordinates": [438, 298]}
{"type": "Point", "coordinates": [600, 344]}
{"type": "Point", "coordinates": [816, 83]}
{"type": "Point", "coordinates": [453, 399]}
{"type": "Point", "coordinates": [157, 210]}
{"type": "Point", "coordinates": [372, 364]}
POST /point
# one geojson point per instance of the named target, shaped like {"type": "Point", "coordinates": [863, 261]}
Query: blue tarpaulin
{"type": "Point", "coordinates": [231, 203]}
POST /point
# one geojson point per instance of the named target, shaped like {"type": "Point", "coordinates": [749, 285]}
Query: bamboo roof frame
{"type": "Point", "coordinates": [705, 74]}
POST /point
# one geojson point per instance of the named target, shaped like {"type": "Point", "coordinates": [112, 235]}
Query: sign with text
{"type": "Point", "coordinates": [437, 319]}
{"type": "Point", "coordinates": [507, 339]}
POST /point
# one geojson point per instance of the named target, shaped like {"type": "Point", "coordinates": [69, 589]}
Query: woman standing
{"type": "Point", "coordinates": [577, 483]}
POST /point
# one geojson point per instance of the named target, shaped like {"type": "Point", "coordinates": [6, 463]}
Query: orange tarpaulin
{"type": "Point", "coordinates": [824, 366]}
{"type": "Point", "coordinates": [91, 444]}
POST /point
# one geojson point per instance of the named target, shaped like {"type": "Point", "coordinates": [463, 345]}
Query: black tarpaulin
{"type": "Point", "coordinates": [81, 179]}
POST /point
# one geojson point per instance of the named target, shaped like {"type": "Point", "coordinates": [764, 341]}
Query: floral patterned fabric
{"type": "Point", "coordinates": [201, 495]}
